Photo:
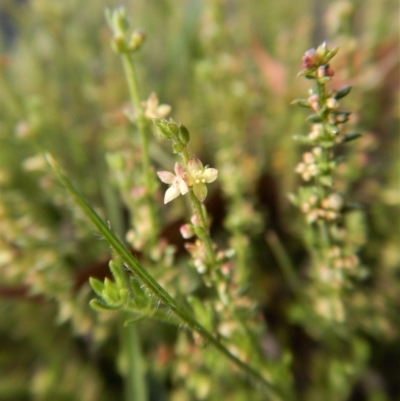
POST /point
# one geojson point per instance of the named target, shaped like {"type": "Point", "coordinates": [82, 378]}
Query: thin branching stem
{"type": "Point", "coordinates": [129, 69]}
{"type": "Point", "coordinates": [146, 278]}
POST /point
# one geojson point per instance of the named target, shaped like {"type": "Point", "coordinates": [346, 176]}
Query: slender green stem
{"type": "Point", "coordinates": [325, 237]}
{"type": "Point", "coordinates": [135, 384]}
{"type": "Point", "coordinates": [134, 380]}
{"type": "Point", "coordinates": [146, 278]}
{"type": "Point", "coordinates": [284, 262]}
{"type": "Point", "coordinates": [206, 237]}
{"type": "Point", "coordinates": [141, 123]}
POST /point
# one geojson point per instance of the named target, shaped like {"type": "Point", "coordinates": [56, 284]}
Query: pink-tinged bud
{"type": "Point", "coordinates": [187, 231]}
{"type": "Point", "coordinates": [311, 59]}
{"type": "Point", "coordinates": [195, 220]}
{"type": "Point", "coordinates": [329, 72]}
{"type": "Point", "coordinates": [325, 71]}
{"type": "Point", "coordinates": [200, 266]}
{"type": "Point", "coordinates": [226, 269]}
{"type": "Point", "coordinates": [313, 100]}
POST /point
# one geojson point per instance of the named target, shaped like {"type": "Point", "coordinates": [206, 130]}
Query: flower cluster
{"type": "Point", "coordinates": [195, 176]}
{"type": "Point", "coordinates": [308, 168]}
{"type": "Point", "coordinates": [315, 62]}
{"type": "Point", "coordinates": [325, 209]}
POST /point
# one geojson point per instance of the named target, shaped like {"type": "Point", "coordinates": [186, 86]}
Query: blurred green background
{"type": "Point", "coordinates": [228, 69]}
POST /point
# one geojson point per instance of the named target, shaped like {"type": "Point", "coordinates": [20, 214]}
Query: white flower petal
{"type": "Point", "coordinates": [171, 193]}
{"type": "Point", "coordinates": [166, 177]}
{"type": "Point", "coordinates": [163, 110]}
{"type": "Point", "coordinates": [152, 101]}
{"type": "Point", "coordinates": [178, 170]}
{"type": "Point", "coordinates": [183, 187]}
{"type": "Point", "coordinates": [210, 174]}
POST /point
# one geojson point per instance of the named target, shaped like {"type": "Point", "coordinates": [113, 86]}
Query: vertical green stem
{"type": "Point", "coordinates": [135, 389]}
{"type": "Point", "coordinates": [323, 226]}
{"type": "Point", "coordinates": [141, 123]}
{"type": "Point", "coordinates": [134, 381]}
{"type": "Point", "coordinates": [205, 238]}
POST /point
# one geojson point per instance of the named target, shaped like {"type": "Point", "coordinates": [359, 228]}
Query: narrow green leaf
{"type": "Point", "coordinates": [332, 53]}
{"type": "Point", "coordinates": [139, 295]}
{"type": "Point", "coordinates": [110, 288]}
{"type": "Point", "coordinates": [99, 306]}
{"type": "Point", "coordinates": [118, 273]}
{"type": "Point", "coordinates": [332, 129]}
{"type": "Point", "coordinates": [302, 103]}
{"type": "Point", "coordinates": [342, 92]}
{"type": "Point", "coordinates": [124, 296]}
{"type": "Point", "coordinates": [112, 299]}
{"type": "Point", "coordinates": [314, 118]}
{"type": "Point", "coordinates": [97, 286]}
{"type": "Point", "coordinates": [351, 136]}
{"type": "Point", "coordinates": [307, 74]}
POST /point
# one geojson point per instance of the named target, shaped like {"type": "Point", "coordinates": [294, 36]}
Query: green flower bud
{"type": "Point", "coordinates": [184, 134]}
{"type": "Point", "coordinates": [173, 127]}
{"type": "Point", "coordinates": [137, 39]}
{"type": "Point", "coordinates": [119, 44]}
{"type": "Point", "coordinates": [163, 131]}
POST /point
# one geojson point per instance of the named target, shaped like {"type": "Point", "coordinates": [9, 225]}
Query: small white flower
{"type": "Point", "coordinates": [177, 182]}
{"type": "Point", "coordinates": [153, 110]}
{"type": "Point", "coordinates": [199, 176]}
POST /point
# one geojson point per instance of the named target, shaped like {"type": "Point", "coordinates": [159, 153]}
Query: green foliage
{"type": "Point", "coordinates": [300, 293]}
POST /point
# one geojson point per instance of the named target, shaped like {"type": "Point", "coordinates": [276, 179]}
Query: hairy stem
{"type": "Point", "coordinates": [146, 278]}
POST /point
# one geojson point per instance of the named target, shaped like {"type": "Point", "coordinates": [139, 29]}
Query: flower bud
{"type": "Point", "coordinates": [187, 231]}
{"type": "Point", "coordinates": [332, 103]}
{"type": "Point", "coordinates": [184, 134]}
{"type": "Point", "coordinates": [118, 43]}
{"type": "Point", "coordinates": [195, 220]}
{"type": "Point", "coordinates": [163, 131]}
{"type": "Point", "coordinates": [137, 39]}
{"type": "Point", "coordinates": [311, 59]}
{"type": "Point", "coordinates": [313, 101]}
{"type": "Point", "coordinates": [173, 127]}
